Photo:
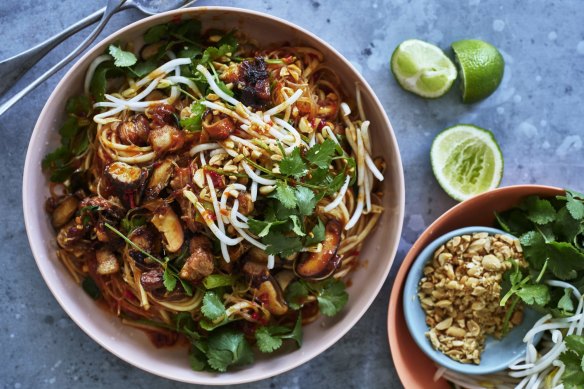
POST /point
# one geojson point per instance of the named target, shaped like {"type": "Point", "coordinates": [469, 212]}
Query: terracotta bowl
{"type": "Point", "coordinates": [132, 345]}
{"type": "Point", "coordinates": [416, 369]}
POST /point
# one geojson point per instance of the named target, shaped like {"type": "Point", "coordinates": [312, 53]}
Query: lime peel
{"type": "Point", "coordinates": [466, 161]}
{"type": "Point", "coordinates": [481, 67]}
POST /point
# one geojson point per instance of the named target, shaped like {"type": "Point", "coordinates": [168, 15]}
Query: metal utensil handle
{"type": "Point", "coordinates": [112, 7]}
{"type": "Point", "coordinates": [11, 69]}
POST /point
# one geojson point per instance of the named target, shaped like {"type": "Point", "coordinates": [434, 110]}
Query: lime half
{"type": "Point", "coordinates": [481, 68]}
{"type": "Point", "coordinates": [466, 160]}
{"type": "Point", "coordinates": [422, 68]}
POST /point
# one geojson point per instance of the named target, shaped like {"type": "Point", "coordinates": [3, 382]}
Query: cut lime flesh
{"type": "Point", "coordinates": [466, 161]}
{"type": "Point", "coordinates": [422, 68]}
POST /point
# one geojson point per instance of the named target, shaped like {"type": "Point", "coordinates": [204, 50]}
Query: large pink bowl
{"type": "Point", "coordinates": [414, 368]}
{"type": "Point", "coordinates": [131, 345]}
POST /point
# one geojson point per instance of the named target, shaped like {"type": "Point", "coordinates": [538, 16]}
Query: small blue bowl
{"type": "Point", "coordinates": [497, 354]}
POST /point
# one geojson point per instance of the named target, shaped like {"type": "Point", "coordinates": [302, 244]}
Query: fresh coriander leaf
{"type": "Point", "coordinates": [212, 307]}
{"type": "Point", "coordinates": [285, 194]}
{"type": "Point", "coordinates": [183, 320]}
{"type": "Point", "coordinates": [283, 212]}
{"type": "Point", "coordinates": [195, 121]}
{"type": "Point", "coordinates": [56, 159]}
{"type": "Point", "coordinates": [226, 348]}
{"type": "Point", "coordinates": [534, 248]}
{"type": "Point", "coordinates": [565, 303]}
{"type": "Point", "coordinates": [280, 244]}
{"type": "Point", "coordinates": [259, 227]}
{"type": "Point", "coordinates": [534, 294]}
{"type": "Point", "coordinates": [297, 225]}
{"type": "Point", "coordinates": [80, 143]}
{"type": "Point", "coordinates": [575, 343]}
{"type": "Point", "coordinates": [169, 279]}
{"type": "Point", "coordinates": [143, 68]}
{"type": "Point", "coordinates": [61, 174]}
{"type": "Point", "coordinates": [539, 211]}
{"type": "Point", "coordinates": [270, 338]}
{"type": "Point", "coordinates": [295, 294]}
{"type": "Point", "coordinates": [197, 359]}
{"type": "Point", "coordinates": [212, 53]}
{"type": "Point", "coordinates": [305, 200]}
{"type": "Point", "coordinates": [573, 376]}
{"type": "Point", "coordinates": [122, 59]}
{"type": "Point", "coordinates": [79, 106]}
{"type": "Point", "coordinates": [334, 183]}
{"type": "Point", "coordinates": [230, 40]}
{"type": "Point", "coordinates": [320, 177]}
{"type": "Point", "coordinates": [321, 154]}
{"type": "Point", "coordinates": [156, 33]}
{"type": "Point", "coordinates": [266, 341]}
{"type": "Point", "coordinates": [531, 238]}
{"type": "Point", "coordinates": [217, 280]}
{"type": "Point", "coordinates": [564, 259]}
{"type": "Point", "coordinates": [318, 234]}
{"type": "Point", "coordinates": [98, 83]}
{"type": "Point", "coordinates": [565, 226]}
{"type": "Point", "coordinates": [547, 232]}
{"type": "Point", "coordinates": [91, 288]}
{"type": "Point", "coordinates": [186, 286]}
{"type": "Point", "coordinates": [189, 52]}
{"type": "Point", "coordinates": [293, 165]}
{"type": "Point", "coordinates": [332, 297]}
{"type": "Point", "coordinates": [515, 221]}
{"type": "Point", "coordinates": [575, 204]}
{"type": "Point", "coordinates": [187, 30]}
{"type": "Point", "coordinates": [262, 228]}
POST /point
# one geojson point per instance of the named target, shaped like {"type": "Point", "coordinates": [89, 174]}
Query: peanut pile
{"type": "Point", "coordinates": [461, 290]}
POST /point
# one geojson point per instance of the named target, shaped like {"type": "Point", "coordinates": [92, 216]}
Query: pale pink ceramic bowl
{"type": "Point", "coordinates": [415, 369]}
{"type": "Point", "coordinates": [131, 345]}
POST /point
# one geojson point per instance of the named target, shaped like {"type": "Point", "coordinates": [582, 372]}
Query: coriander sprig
{"type": "Point", "coordinates": [549, 230]}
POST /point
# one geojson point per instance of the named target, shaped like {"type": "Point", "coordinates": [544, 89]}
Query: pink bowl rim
{"type": "Point", "coordinates": [31, 219]}
{"type": "Point", "coordinates": [404, 267]}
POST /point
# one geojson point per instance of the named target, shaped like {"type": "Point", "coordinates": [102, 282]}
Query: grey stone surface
{"type": "Point", "coordinates": [536, 115]}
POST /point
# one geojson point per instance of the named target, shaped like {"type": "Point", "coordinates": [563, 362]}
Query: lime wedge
{"type": "Point", "coordinates": [466, 160]}
{"type": "Point", "coordinates": [481, 68]}
{"type": "Point", "coordinates": [422, 68]}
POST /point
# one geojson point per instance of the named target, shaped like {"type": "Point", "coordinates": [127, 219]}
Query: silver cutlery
{"type": "Point", "coordinates": [13, 68]}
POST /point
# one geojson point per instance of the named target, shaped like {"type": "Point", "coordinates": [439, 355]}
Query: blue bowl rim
{"type": "Point", "coordinates": [411, 284]}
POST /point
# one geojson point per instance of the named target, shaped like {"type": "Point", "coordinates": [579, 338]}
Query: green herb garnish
{"type": "Point", "coordinates": [269, 338]}
{"type": "Point", "coordinates": [122, 59]}
{"type": "Point", "coordinates": [330, 294]}
{"type": "Point", "coordinates": [63, 161]}
{"type": "Point", "coordinates": [91, 288]}
{"type": "Point", "coordinates": [549, 230]}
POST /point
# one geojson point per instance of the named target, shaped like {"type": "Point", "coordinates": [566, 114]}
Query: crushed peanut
{"type": "Point", "coordinates": [460, 293]}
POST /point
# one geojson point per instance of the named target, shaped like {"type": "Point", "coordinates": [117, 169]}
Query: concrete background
{"type": "Point", "coordinates": [536, 116]}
